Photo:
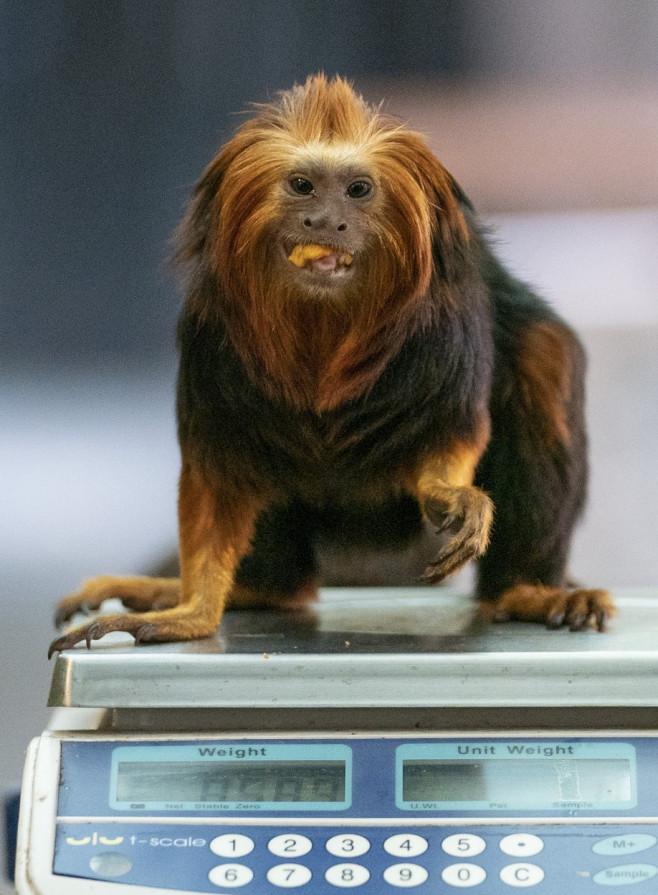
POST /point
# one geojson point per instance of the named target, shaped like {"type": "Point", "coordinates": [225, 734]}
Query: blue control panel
{"type": "Point", "coordinates": [376, 814]}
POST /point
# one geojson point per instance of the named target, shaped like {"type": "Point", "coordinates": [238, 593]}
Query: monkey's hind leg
{"type": "Point", "coordinates": [215, 529]}
{"type": "Point", "coordinates": [136, 593]}
{"type": "Point", "coordinates": [279, 572]}
{"type": "Point", "coordinates": [535, 469]}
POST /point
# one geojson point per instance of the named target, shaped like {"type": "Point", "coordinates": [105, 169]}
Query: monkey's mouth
{"type": "Point", "coordinates": [325, 260]}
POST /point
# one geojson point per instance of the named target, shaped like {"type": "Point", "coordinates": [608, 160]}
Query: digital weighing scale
{"type": "Point", "coordinates": [385, 740]}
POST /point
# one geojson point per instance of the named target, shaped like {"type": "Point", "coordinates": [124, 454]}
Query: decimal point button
{"type": "Point", "coordinates": [521, 845]}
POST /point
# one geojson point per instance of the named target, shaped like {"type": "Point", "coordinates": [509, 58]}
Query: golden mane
{"type": "Point", "coordinates": [309, 353]}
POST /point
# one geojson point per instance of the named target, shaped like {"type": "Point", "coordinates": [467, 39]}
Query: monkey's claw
{"type": "Point", "coordinates": [467, 513]}
{"type": "Point", "coordinates": [579, 610]}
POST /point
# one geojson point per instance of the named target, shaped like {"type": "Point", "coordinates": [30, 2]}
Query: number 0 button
{"type": "Point", "coordinates": [348, 846]}
{"type": "Point", "coordinates": [463, 876]}
{"type": "Point", "coordinates": [290, 845]}
{"type": "Point", "coordinates": [347, 875]}
{"type": "Point", "coordinates": [405, 845]}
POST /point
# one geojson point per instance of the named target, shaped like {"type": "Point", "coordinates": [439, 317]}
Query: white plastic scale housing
{"type": "Point", "coordinates": [382, 676]}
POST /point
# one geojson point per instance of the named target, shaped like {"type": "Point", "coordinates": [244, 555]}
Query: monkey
{"type": "Point", "coordinates": [355, 362]}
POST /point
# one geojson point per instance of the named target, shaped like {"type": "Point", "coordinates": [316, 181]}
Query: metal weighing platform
{"type": "Point", "coordinates": [384, 740]}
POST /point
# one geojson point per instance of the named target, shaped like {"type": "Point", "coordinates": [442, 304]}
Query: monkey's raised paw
{"type": "Point", "coordinates": [136, 593]}
{"type": "Point", "coordinates": [179, 623]}
{"type": "Point", "coordinates": [467, 514]}
{"type": "Point", "coordinates": [556, 607]}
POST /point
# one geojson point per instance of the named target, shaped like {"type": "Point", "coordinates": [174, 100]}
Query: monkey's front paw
{"type": "Point", "coordinates": [148, 627]}
{"type": "Point", "coordinates": [556, 607]}
{"type": "Point", "coordinates": [467, 513]}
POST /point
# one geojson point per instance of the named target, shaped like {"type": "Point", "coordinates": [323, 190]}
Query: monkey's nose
{"type": "Point", "coordinates": [322, 222]}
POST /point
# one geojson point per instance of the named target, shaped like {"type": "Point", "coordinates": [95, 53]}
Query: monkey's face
{"type": "Point", "coordinates": [325, 228]}
{"type": "Point", "coordinates": [321, 198]}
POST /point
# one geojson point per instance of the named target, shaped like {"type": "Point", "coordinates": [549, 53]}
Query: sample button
{"type": "Point", "coordinates": [624, 845]}
{"type": "Point", "coordinates": [625, 874]}
{"type": "Point", "coordinates": [521, 845]}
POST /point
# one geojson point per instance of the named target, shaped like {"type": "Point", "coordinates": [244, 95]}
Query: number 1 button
{"type": "Point", "coordinates": [232, 845]}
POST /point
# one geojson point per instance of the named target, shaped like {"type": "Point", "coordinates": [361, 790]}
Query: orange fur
{"type": "Point", "coordinates": [545, 366]}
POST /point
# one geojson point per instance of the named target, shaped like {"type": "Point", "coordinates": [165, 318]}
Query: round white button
{"type": "Point", "coordinates": [463, 845]}
{"type": "Point", "coordinates": [463, 875]}
{"type": "Point", "coordinates": [522, 875]}
{"type": "Point", "coordinates": [290, 845]}
{"type": "Point", "coordinates": [111, 864]}
{"type": "Point", "coordinates": [289, 876]}
{"type": "Point", "coordinates": [230, 876]}
{"type": "Point", "coordinates": [347, 875]}
{"type": "Point", "coordinates": [349, 845]}
{"type": "Point", "coordinates": [405, 845]}
{"type": "Point", "coordinates": [405, 875]}
{"type": "Point", "coordinates": [521, 845]}
{"type": "Point", "coordinates": [232, 845]}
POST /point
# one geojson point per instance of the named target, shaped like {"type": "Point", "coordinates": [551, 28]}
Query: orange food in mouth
{"type": "Point", "coordinates": [308, 255]}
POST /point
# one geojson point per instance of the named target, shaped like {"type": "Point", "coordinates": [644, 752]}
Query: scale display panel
{"type": "Point", "coordinates": [212, 777]}
{"type": "Point", "coordinates": [371, 812]}
{"type": "Point", "coordinates": [494, 776]}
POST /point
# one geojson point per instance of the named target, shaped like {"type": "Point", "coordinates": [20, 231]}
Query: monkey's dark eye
{"type": "Point", "coordinates": [301, 186]}
{"type": "Point", "coordinates": [358, 189]}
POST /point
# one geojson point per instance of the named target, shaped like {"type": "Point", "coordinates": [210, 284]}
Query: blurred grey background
{"type": "Point", "coordinates": [545, 110]}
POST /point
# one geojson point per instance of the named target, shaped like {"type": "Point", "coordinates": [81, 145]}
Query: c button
{"type": "Point", "coordinates": [522, 875]}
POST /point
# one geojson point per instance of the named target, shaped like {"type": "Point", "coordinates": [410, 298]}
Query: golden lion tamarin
{"type": "Point", "coordinates": [353, 361]}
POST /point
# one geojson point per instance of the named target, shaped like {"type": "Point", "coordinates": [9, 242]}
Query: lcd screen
{"type": "Point", "coordinates": [594, 777]}
{"type": "Point", "coordinates": [227, 777]}
{"type": "Point", "coordinates": [200, 781]}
